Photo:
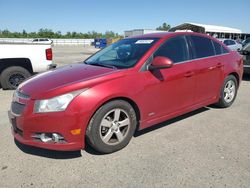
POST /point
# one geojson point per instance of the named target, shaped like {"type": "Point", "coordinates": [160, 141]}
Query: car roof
{"type": "Point", "coordinates": [169, 34]}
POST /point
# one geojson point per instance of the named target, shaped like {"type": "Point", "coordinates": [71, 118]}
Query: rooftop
{"type": "Point", "coordinates": [205, 28]}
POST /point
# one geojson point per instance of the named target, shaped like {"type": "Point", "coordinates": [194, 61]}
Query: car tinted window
{"type": "Point", "coordinates": [218, 48]}
{"type": "Point", "coordinates": [229, 42]}
{"type": "Point", "coordinates": [174, 49]}
{"type": "Point", "coordinates": [224, 50]}
{"type": "Point", "coordinates": [232, 42]}
{"type": "Point", "coordinates": [203, 47]}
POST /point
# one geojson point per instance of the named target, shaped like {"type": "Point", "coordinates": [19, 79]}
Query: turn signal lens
{"type": "Point", "coordinates": [76, 131]}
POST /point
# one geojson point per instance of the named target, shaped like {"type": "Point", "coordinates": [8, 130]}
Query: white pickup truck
{"type": "Point", "coordinates": [18, 61]}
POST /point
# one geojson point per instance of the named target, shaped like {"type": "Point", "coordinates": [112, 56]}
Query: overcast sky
{"type": "Point", "coordinates": [116, 15]}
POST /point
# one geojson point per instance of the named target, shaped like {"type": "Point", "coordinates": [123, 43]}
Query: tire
{"type": "Point", "coordinates": [228, 92]}
{"type": "Point", "coordinates": [111, 127]}
{"type": "Point", "coordinates": [11, 77]}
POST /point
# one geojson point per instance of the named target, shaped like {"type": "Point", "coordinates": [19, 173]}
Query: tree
{"type": "Point", "coordinates": [48, 33]}
{"type": "Point", "coordinates": [164, 27]}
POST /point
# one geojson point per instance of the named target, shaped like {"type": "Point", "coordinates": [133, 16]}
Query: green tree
{"type": "Point", "coordinates": [164, 27]}
{"type": "Point", "coordinates": [48, 33]}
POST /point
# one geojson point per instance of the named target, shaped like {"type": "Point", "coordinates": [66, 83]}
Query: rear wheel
{"type": "Point", "coordinates": [112, 127]}
{"type": "Point", "coordinates": [11, 77]}
{"type": "Point", "coordinates": [228, 92]}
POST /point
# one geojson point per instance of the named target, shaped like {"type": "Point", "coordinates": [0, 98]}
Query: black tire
{"type": "Point", "coordinates": [11, 77]}
{"type": "Point", "coordinates": [222, 103]}
{"type": "Point", "coordinates": [94, 130]}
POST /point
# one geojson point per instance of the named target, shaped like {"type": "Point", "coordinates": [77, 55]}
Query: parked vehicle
{"type": "Point", "coordinates": [20, 61]}
{"type": "Point", "coordinates": [42, 41]}
{"type": "Point", "coordinates": [100, 43]}
{"type": "Point", "coordinates": [246, 58]}
{"type": "Point", "coordinates": [246, 41]}
{"type": "Point", "coordinates": [132, 84]}
{"type": "Point", "coordinates": [232, 44]}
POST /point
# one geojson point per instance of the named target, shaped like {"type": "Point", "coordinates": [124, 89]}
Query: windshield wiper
{"type": "Point", "coordinates": [101, 65]}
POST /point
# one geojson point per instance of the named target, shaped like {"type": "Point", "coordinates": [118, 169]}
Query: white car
{"type": "Point", "coordinates": [42, 41]}
{"type": "Point", "coordinates": [232, 44]}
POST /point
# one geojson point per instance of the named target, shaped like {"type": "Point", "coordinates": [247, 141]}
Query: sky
{"type": "Point", "coordinates": [118, 16]}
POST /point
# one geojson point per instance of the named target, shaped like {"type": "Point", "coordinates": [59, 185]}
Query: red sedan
{"type": "Point", "coordinates": [132, 84]}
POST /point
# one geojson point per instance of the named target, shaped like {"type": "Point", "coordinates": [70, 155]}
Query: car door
{"type": "Point", "coordinates": [209, 69]}
{"type": "Point", "coordinates": [168, 91]}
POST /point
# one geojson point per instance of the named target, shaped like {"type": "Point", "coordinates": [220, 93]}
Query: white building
{"type": "Point", "coordinates": [213, 30]}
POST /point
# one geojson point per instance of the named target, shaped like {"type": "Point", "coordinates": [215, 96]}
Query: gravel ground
{"type": "Point", "coordinates": [206, 148]}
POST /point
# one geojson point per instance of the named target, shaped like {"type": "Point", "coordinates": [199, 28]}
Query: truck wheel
{"type": "Point", "coordinates": [112, 127]}
{"type": "Point", "coordinates": [11, 77]}
{"type": "Point", "coordinates": [228, 92]}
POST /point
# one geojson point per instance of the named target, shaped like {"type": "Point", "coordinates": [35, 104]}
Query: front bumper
{"type": "Point", "coordinates": [26, 125]}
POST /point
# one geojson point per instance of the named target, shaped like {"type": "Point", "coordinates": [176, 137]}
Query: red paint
{"type": "Point", "coordinates": [159, 94]}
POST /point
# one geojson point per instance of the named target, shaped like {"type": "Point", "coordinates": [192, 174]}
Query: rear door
{"type": "Point", "coordinates": [209, 68]}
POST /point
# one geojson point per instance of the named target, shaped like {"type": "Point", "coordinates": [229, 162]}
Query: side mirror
{"type": "Point", "coordinates": [160, 62]}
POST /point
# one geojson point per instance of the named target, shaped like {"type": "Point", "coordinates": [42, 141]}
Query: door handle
{"type": "Point", "coordinates": [189, 74]}
{"type": "Point", "coordinates": [219, 65]}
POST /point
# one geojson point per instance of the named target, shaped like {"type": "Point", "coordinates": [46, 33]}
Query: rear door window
{"type": "Point", "coordinates": [175, 49]}
{"type": "Point", "coordinates": [202, 46]}
{"type": "Point", "coordinates": [217, 48]}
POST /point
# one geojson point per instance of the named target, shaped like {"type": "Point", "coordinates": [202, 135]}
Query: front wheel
{"type": "Point", "coordinates": [112, 126]}
{"type": "Point", "coordinates": [228, 92]}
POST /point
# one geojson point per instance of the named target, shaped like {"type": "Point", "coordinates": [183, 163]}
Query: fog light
{"type": "Point", "coordinates": [49, 137]}
{"type": "Point", "coordinates": [45, 138]}
{"type": "Point", "coordinates": [57, 137]}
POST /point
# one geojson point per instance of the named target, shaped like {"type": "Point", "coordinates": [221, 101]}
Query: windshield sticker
{"type": "Point", "coordinates": [144, 41]}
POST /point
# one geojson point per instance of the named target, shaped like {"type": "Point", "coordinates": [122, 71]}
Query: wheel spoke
{"type": "Point", "coordinates": [106, 123]}
{"type": "Point", "coordinates": [117, 114]}
{"type": "Point", "coordinates": [108, 135]}
{"type": "Point", "coordinates": [226, 90]}
{"type": "Point", "coordinates": [119, 135]}
{"type": "Point", "coordinates": [124, 122]}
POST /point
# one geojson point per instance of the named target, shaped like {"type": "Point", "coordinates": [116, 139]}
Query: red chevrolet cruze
{"type": "Point", "coordinates": [132, 84]}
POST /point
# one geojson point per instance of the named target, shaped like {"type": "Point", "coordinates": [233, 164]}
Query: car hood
{"type": "Point", "coordinates": [63, 80]}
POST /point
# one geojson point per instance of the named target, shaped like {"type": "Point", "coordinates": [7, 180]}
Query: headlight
{"type": "Point", "coordinates": [55, 104]}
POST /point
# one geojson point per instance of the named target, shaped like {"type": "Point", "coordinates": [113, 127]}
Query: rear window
{"type": "Point", "coordinates": [203, 47]}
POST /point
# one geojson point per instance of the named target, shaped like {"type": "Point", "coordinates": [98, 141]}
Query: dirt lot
{"type": "Point", "coordinates": [206, 148]}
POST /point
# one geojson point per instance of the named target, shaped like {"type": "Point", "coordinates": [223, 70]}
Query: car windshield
{"type": "Point", "coordinates": [246, 47]}
{"type": "Point", "coordinates": [122, 54]}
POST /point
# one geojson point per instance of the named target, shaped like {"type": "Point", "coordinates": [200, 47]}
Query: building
{"type": "Point", "coordinates": [135, 32]}
{"type": "Point", "coordinates": [213, 30]}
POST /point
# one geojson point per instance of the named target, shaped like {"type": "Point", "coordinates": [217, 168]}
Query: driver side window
{"type": "Point", "coordinates": [174, 49]}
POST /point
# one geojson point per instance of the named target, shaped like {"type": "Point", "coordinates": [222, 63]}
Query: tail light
{"type": "Point", "coordinates": [49, 54]}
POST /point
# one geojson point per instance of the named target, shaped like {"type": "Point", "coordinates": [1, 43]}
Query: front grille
{"type": "Point", "coordinates": [17, 108]}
